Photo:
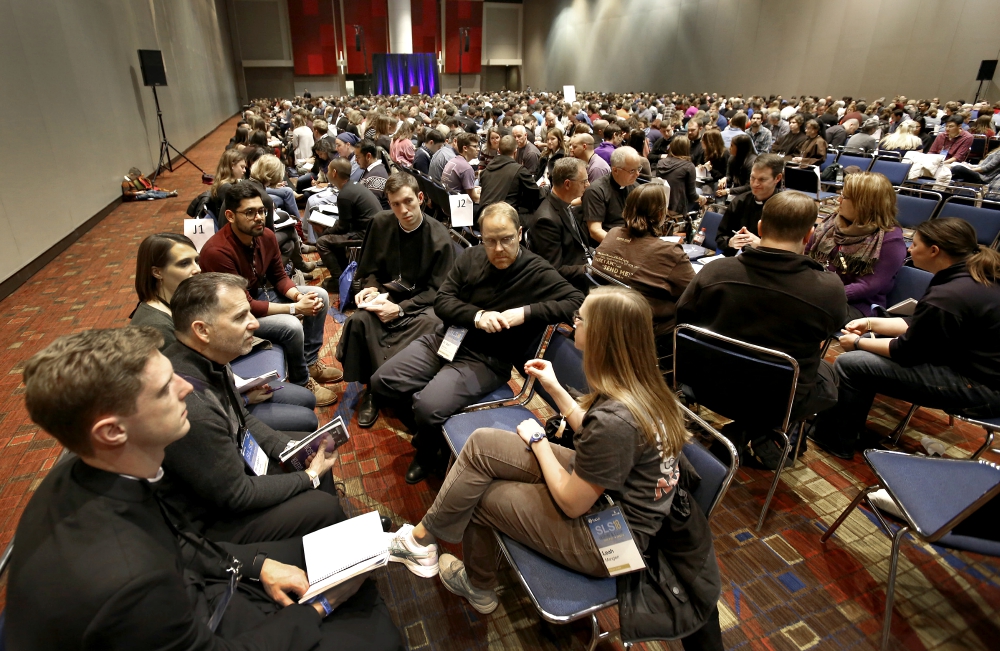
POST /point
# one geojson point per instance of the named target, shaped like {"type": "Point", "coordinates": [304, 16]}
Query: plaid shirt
{"type": "Point", "coordinates": [761, 140]}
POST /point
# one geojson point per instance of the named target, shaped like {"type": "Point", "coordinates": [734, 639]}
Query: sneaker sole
{"type": "Point", "coordinates": [423, 571]}
{"type": "Point", "coordinates": [482, 610]}
{"type": "Point", "coordinates": [325, 403]}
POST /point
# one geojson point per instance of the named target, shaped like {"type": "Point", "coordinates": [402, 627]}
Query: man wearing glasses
{"type": "Point", "coordinates": [290, 316]}
{"type": "Point", "coordinates": [495, 304]}
{"type": "Point", "coordinates": [557, 235]}
{"type": "Point", "coordinates": [604, 200]}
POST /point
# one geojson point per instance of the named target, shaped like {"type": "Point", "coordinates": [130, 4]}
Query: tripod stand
{"type": "Point", "coordinates": [165, 146]}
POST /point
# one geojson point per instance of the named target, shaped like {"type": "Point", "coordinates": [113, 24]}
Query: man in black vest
{"type": "Point", "coordinates": [556, 234]}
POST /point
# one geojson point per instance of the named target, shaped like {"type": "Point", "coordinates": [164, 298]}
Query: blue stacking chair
{"type": "Point", "coordinates": [757, 387]}
{"type": "Point", "coordinates": [710, 222]}
{"type": "Point", "coordinates": [915, 206]}
{"type": "Point", "coordinates": [934, 496]}
{"type": "Point", "coordinates": [986, 220]}
{"type": "Point", "coordinates": [894, 170]}
{"type": "Point", "coordinates": [909, 282]}
{"type": "Point", "coordinates": [831, 156]}
{"type": "Point", "coordinates": [259, 362]}
{"type": "Point", "coordinates": [561, 595]}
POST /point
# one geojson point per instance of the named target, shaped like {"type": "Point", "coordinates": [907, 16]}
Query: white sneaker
{"type": "Point", "coordinates": [456, 581]}
{"type": "Point", "coordinates": [422, 560]}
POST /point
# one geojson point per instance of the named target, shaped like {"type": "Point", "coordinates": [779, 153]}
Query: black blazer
{"type": "Point", "coordinates": [553, 237]}
{"type": "Point", "coordinates": [356, 206]}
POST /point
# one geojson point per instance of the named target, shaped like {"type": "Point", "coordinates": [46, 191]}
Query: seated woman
{"type": "Point", "coordinates": [401, 149]}
{"type": "Point", "coordinates": [983, 126]}
{"type": "Point", "coordinates": [814, 146]}
{"type": "Point", "coordinates": [232, 167]}
{"type": "Point", "coordinates": [678, 171]}
{"type": "Point", "coordinates": [862, 242]}
{"type": "Point", "coordinates": [716, 158]}
{"type": "Point", "coordinates": [553, 149]}
{"type": "Point", "coordinates": [492, 148]}
{"type": "Point", "coordinates": [987, 172]}
{"type": "Point", "coordinates": [163, 261]}
{"type": "Point", "coordinates": [943, 357]}
{"type": "Point", "coordinates": [137, 187]}
{"type": "Point", "coordinates": [904, 139]}
{"type": "Point", "coordinates": [637, 140]}
{"type": "Point", "coordinates": [791, 143]}
{"type": "Point", "coordinates": [629, 432]}
{"type": "Point", "coordinates": [636, 256]}
{"type": "Point", "coordinates": [741, 160]}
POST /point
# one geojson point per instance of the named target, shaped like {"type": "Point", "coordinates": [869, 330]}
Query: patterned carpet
{"type": "Point", "coordinates": [783, 590]}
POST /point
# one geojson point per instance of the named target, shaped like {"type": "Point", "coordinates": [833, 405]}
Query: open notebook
{"type": "Point", "coordinates": [344, 550]}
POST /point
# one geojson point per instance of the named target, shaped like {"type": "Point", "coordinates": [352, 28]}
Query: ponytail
{"type": "Point", "coordinates": [984, 266]}
{"type": "Point", "coordinates": [957, 238]}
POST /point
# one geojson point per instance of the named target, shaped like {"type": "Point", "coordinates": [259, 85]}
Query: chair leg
{"type": "Point", "coordinates": [798, 443]}
{"type": "Point", "coordinates": [595, 633]}
{"type": "Point", "coordinates": [985, 446]}
{"type": "Point", "coordinates": [898, 432]}
{"type": "Point", "coordinates": [774, 482]}
{"type": "Point", "coordinates": [850, 507]}
{"type": "Point", "coordinates": [890, 590]}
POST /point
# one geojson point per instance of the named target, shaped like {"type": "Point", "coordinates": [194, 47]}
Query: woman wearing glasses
{"type": "Point", "coordinates": [862, 242]}
{"type": "Point", "coordinates": [629, 435]}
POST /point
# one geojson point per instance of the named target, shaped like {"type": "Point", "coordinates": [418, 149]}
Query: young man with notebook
{"type": "Point", "coordinates": [101, 562]}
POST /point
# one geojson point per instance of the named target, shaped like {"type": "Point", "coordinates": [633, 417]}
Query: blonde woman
{"type": "Point", "coordinates": [862, 242]}
{"type": "Point", "coordinates": [232, 168]}
{"type": "Point", "coordinates": [401, 150]}
{"type": "Point", "coordinates": [904, 139]}
{"type": "Point", "coordinates": [629, 432]}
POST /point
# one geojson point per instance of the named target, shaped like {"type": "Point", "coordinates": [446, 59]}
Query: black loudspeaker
{"type": "Point", "coordinates": [466, 40]}
{"type": "Point", "coordinates": [986, 70]}
{"type": "Point", "coordinates": [153, 74]}
{"type": "Point", "coordinates": [357, 42]}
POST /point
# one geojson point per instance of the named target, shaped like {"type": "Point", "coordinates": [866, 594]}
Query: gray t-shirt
{"type": "Point", "coordinates": [612, 452]}
{"type": "Point", "coordinates": [145, 315]}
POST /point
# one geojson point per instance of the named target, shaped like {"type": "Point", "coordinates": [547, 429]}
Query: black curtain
{"type": "Point", "coordinates": [395, 74]}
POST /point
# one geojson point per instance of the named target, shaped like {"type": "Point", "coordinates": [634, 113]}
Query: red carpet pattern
{"type": "Point", "coordinates": [782, 589]}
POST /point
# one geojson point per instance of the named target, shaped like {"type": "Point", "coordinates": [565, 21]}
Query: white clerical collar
{"type": "Point", "coordinates": [158, 477]}
{"type": "Point", "coordinates": [377, 162]}
{"type": "Point", "coordinates": [415, 227]}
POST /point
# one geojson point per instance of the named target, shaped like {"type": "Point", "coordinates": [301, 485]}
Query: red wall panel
{"type": "Point", "coordinates": [426, 26]}
{"type": "Point", "coordinates": [463, 13]}
{"type": "Point", "coordinates": [373, 15]}
{"type": "Point", "coordinates": [311, 24]}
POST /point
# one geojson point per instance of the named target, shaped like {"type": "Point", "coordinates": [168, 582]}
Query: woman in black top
{"type": "Point", "coordinates": [741, 160]}
{"type": "Point", "coordinates": [637, 141]}
{"type": "Point", "coordinates": [946, 356]}
{"type": "Point", "coordinates": [552, 150]}
{"type": "Point", "coordinates": [678, 171]}
{"type": "Point", "coordinates": [716, 159]}
{"type": "Point", "coordinates": [791, 143]}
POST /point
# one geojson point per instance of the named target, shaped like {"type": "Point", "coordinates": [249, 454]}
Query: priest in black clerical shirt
{"type": "Point", "coordinates": [407, 257]}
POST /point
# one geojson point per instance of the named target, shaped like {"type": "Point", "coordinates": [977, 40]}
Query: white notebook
{"type": "Point", "coordinates": [343, 550]}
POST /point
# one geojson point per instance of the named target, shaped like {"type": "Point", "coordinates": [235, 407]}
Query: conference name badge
{"type": "Point", "coordinates": [254, 457]}
{"type": "Point", "coordinates": [614, 541]}
{"type": "Point", "coordinates": [452, 340]}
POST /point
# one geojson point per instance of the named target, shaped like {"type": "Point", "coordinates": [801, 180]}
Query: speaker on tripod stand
{"type": "Point", "coordinates": [987, 69]}
{"type": "Point", "coordinates": [153, 75]}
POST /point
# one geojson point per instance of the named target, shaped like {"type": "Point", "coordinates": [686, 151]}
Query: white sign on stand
{"type": "Point", "coordinates": [199, 231]}
{"type": "Point", "coordinates": [461, 209]}
{"type": "Point", "coordinates": [569, 94]}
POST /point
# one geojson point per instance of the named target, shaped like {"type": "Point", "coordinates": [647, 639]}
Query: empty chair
{"type": "Point", "coordinates": [710, 222]}
{"type": "Point", "coordinates": [806, 179]}
{"type": "Point", "coordinates": [986, 220]}
{"type": "Point", "coordinates": [831, 156]}
{"type": "Point", "coordinates": [915, 206]}
{"type": "Point", "coordinates": [910, 282]}
{"type": "Point", "coordinates": [860, 160]}
{"type": "Point", "coordinates": [894, 170]}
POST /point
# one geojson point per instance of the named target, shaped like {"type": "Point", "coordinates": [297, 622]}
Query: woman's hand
{"type": "Point", "coordinates": [849, 341]}
{"type": "Point", "coordinates": [858, 326]}
{"type": "Point", "coordinates": [529, 428]}
{"type": "Point", "coordinates": [541, 370]}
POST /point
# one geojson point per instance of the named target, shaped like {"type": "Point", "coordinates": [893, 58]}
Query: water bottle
{"type": "Point", "coordinates": [700, 237]}
{"type": "Point", "coordinates": [840, 175]}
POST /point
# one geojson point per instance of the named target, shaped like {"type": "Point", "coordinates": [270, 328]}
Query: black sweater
{"type": "Point", "coordinates": [474, 284]}
{"type": "Point", "coordinates": [744, 210]}
{"type": "Point", "coordinates": [956, 324]}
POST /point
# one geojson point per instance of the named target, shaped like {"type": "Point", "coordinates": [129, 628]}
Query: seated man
{"type": "Point", "coordinates": [504, 179]}
{"type": "Point", "coordinates": [581, 146]}
{"type": "Point", "coordinates": [375, 174]}
{"type": "Point", "coordinates": [503, 297]}
{"type": "Point", "coordinates": [604, 200]}
{"type": "Point", "coordinates": [458, 177]}
{"type": "Point", "coordinates": [776, 297]}
{"type": "Point", "coordinates": [527, 153]}
{"type": "Point", "coordinates": [954, 142]}
{"type": "Point", "coordinates": [738, 227]}
{"type": "Point", "coordinates": [433, 141]}
{"type": "Point", "coordinates": [245, 248]}
{"type": "Point", "coordinates": [407, 256]}
{"type": "Point", "coordinates": [441, 157]}
{"type": "Point", "coordinates": [207, 477]}
{"type": "Point", "coordinates": [139, 577]}
{"type": "Point", "coordinates": [356, 206]}
{"type": "Point", "coordinates": [556, 235]}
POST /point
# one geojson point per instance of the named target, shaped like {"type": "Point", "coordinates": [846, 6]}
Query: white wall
{"type": "Point", "coordinates": [74, 115]}
{"type": "Point", "coordinates": [862, 48]}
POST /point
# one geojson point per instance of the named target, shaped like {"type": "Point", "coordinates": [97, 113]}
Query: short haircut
{"type": "Point", "coordinates": [739, 121]}
{"type": "Point", "coordinates": [789, 216]}
{"type": "Point", "coordinates": [611, 131]}
{"type": "Point", "coordinates": [583, 138]}
{"type": "Point", "coordinates": [154, 251]}
{"type": "Point", "coordinates": [500, 209]}
{"type": "Point", "coordinates": [197, 297]}
{"type": "Point", "coordinates": [508, 146]}
{"type": "Point", "coordinates": [326, 146]}
{"type": "Point", "coordinates": [237, 192]}
{"type": "Point", "coordinates": [433, 135]}
{"type": "Point", "coordinates": [268, 169]}
{"type": "Point", "coordinates": [367, 146]}
{"type": "Point", "coordinates": [339, 166]}
{"type": "Point", "coordinates": [956, 119]}
{"type": "Point", "coordinates": [773, 162]}
{"type": "Point", "coordinates": [82, 377]}
{"type": "Point", "coordinates": [466, 140]}
{"type": "Point", "coordinates": [566, 169]}
{"type": "Point", "coordinates": [622, 154]}
{"type": "Point", "coordinates": [320, 125]}
{"type": "Point", "coordinates": [399, 180]}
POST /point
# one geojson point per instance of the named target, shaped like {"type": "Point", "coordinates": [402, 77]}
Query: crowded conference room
{"type": "Point", "coordinates": [371, 325]}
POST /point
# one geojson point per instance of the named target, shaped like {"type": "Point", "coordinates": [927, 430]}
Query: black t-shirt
{"type": "Point", "coordinates": [613, 453]}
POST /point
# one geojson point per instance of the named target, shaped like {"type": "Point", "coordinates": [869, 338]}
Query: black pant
{"type": "Point", "coordinates": [295, 517]}
{"type": "Point", "coordinates": [438, 388]}
{"type": "Point", "coordinates": [333, 250]}
{"type": "Point", "coordinates": [706, 638]}
{"type": "Point", "coordinates": [966, 175]}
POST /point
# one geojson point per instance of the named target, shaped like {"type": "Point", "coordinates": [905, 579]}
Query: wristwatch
{"type": "Point", "coordinates": [401, 313]}
{"type": "Point", "coordinates": [535, 438]}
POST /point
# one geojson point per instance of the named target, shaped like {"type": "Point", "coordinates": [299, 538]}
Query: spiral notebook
{"type": "Point", "coordinates": [341, 551]}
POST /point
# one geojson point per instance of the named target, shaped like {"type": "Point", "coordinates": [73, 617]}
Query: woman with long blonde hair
{"type": "Point", "coordinates": [629, 433]}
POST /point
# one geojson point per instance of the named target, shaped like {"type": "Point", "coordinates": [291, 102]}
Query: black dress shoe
{"type": "Point", "coordinates": [417, 472]}
{"type": "Point", "coordinates": [367, 410]}
{"type": "Point", "coordinates": [842, 449]}
{"type": "Point", "coordinates": [386, 523]}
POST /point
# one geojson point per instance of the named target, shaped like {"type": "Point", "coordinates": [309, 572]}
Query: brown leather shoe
{"type": "Point", "coordinates": [325, 374]}
{"type": "Point", "coordinates": [324, 397]}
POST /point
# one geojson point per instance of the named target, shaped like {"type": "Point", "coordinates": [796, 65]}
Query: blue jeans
{"type": "Point", "coordinates": [300, 339]}
{"type": "Point", "coordinates": [288, 410]}
{"type": "Point", "coordinates": [863, 374]}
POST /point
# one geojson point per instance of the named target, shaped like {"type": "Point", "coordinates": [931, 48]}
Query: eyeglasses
{"type": "Point", "coordinates": [503, 241]}
{"type": "Point", "coordinates": [251, 213]}
{"type": "Point", "coordinates": [628, 171]}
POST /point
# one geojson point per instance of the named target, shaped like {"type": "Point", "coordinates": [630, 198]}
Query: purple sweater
{"type": "Point", "coordinates": [863, 291]}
